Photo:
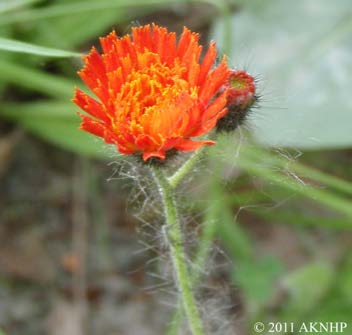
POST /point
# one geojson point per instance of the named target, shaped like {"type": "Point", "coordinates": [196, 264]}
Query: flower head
{"type": "Point", "coordinates": [153, 94]}
{"type": "Point", "coordinates": [240, 98]}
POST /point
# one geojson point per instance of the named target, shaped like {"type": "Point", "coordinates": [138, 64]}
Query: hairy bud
{"type": "Point", "coordinates": [241, 97]}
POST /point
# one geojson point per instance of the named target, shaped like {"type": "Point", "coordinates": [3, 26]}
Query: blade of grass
{"type": "Point", "coordinates": [256, 165]}
{"type": "Point", "coordinates": [41, 109]}
{"type": "Point", "coordinates": [54, 86]}
{"type": "Point", "coordinates": [66, 32]}
{"type": "Point", "coordinates": [76, 8]}
{"type": "Point", "coordinates": [301, 169]}
{"type": "Point", "coordinates": [279, 216]}
{"type": "Point", "coordinates": [9, 5]}
{"type": "Point", "coordinates": [324, 197]}
{"type": "Point", "coordinates": [234, 238]}
{"type": "Point", "coordinates": [57, 123]}
{"type": "Point", "coordinates": [22, 47]}
{"type": "Point", "coordinates": [261, 204]}
{"type": "Point", "coordinates": [66, 135]}
{"type": "Point", "coordinates": [83, 6]}
{"type": "Point", "coordinates": [69, 28]}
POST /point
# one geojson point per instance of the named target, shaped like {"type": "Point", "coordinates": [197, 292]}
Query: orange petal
{"type": "Point", "coordinates": [170, 143]}
{"type": "Point", "coordinates": [193, 73]}
{"type": "Point", "coordinates": [89, 105]}
{"type": "Point", "coordinates": [207, 62]}
{"type": "Point", "coordinates": [170, 47]}
{"type": "Point", "coordinates": [92, 126]}
{"type": "Point", "coordinates": [111, 61]}
{"type": "Point", "coordinates": [193, 50]}
{"type": "Point", "coordinates": [108, 43]}
{"type": "Point", "coordinates": [124, 150]}
{"type": "Point", "coordinates": [214, 81]}
{"type": "Point", "coordinates": [184, 42]}
{"type": "Point", "coordinates": [216, 107]}
{"type": "Point", "coordinates": [94, 70]}
{"type": "Point", "coordinates": [142, 38]}
{"type": "Point", "coordinates": [157, 154]}
{"type": "Point", "coordinates": [189, 145]}
{"type": "Point", "coordinates": [159, 37]}
{"type": "Point", "coordinates": [209, 124]}
{"type": "Point", "coordinates": [144, 142]}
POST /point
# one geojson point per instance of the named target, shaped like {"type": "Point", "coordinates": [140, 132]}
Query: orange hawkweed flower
{"type": "Point", "coordinates": [153, 94]}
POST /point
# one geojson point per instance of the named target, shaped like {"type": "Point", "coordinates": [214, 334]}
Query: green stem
{"type": "Point", "coordinates": [206, 239]}
{"type": "Point", "coordinates": [183, 278]}
{"type": "Point", "coordinates": [176, 178]}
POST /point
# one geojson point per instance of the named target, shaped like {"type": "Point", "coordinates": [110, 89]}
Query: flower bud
{"type": "Point", "coordinates": [241, 97]}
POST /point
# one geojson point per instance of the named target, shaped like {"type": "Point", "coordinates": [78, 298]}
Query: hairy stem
{"type": "Point", "coordinates": [175, 179]}
{"type": "Point", "coordinates": [183, 279]}
{"type": "Point", "coordinates": [205, 240]}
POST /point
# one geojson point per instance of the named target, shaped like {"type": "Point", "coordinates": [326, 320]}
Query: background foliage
{"type": "Point", "coordinates": [280, 199]}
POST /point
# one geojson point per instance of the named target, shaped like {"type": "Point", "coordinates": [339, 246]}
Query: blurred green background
{"type": "Point", "coordinates": [276, 196]}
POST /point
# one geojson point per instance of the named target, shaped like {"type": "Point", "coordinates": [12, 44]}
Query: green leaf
{"type": "Point", "coordinates": [43, 109]}
{"type": "Point", "coordinates": [295, 167]}
{"type": "Point", "coordinates": [304, 219]}
{"type": "Point", "coordinates": [78, 7]}
{"type": "Point", "coordinates": [306, 287]}
{"type": "Point", "coordinates": [22, 47]}
{"type": "Point", "coordinates": [333, 310]}
{"type": "Point", "coordinates": [66, 135]}
{"type": "Point", "coordinates": [57, 123]}
{"type": "Point", "coordinates": [8, 5]}
{"type": "Point", "coordinates": [336, 306]}
{"type": "Point", "coordinates": [36, 80]}
{"type": "Point", "coordinates": [257, 278]}
{"type": "Point", "coordinates": [233, 237]}
{"type": "Point", "coordinates": [324, 197]}
{"type": "Point", "coordinates": [345, 280]}
{"type": "Point", "coordinates": [302, 51]}
{"type": "Point", "coordinates": [256, 166]}
{"type": "Point", "coordinates": [66, 31]}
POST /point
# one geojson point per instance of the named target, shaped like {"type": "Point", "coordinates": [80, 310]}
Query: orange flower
{"type": "Point", "coordinates": [153, 94]}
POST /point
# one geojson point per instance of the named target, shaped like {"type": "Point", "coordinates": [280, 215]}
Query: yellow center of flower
{"type": "Point", "coordinates": [149, 94]}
